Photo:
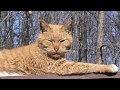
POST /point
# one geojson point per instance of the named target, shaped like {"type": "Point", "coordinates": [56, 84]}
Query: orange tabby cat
{"type": "Point", "coordinates": [46, 55]}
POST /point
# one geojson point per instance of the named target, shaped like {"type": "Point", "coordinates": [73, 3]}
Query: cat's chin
{"type": "Point", "coordinates": [56, 56]}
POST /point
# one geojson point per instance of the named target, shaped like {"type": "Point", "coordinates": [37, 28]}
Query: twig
{"type": "Point", "coordinates": [5, 17]}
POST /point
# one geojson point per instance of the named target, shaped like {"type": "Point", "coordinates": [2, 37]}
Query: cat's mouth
{"type": "Point", "coordinates": [56, 55]}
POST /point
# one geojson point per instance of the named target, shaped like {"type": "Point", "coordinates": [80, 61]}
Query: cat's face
{"type": "Point", "coordinates": [55, 40]}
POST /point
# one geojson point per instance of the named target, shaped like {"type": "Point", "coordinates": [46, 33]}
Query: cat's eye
{"type": "Point", "coordinates": [50, 40]}
{"type": "Point", "coordinates": [62, 40]}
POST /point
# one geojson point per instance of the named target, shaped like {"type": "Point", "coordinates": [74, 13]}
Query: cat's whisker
{"type": "Point", "coordinates": [70, 50]}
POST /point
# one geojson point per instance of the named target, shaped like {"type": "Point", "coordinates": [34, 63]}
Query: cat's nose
{"type": "Point", "coordinates": [56, 48]}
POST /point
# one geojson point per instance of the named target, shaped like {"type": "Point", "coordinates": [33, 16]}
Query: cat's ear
{"type": "Point", "coordinates": [68, 26]}
{"type": "Point", "coordinates": [44, 26]}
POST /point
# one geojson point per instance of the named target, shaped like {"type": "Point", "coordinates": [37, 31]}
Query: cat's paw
{"type": "Point", "coordinates": [114, 68]}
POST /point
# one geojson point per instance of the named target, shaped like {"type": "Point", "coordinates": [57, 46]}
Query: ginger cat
{"type": "Point", "coordinates": [45, 56]}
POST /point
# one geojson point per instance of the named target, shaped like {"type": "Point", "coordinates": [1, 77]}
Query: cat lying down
{"type": "Point", "coordinates": [46, 55]}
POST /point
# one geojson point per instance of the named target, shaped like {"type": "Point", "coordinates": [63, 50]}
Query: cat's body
{"type": "Point", "coordinates": [45, 56]}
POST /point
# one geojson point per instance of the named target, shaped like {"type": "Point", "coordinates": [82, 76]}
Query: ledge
{"type": "Point", "coordinates": [53, 76]}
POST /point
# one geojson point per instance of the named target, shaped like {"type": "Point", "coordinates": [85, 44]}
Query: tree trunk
{"type": "Point", "coordinates": [84, 39]}
{"type": "Point", "coordinates": [100, 37]}
{"type": "Point", "coordinates": [25, 29]}
{"type": "Point", "coordinates": [79, 26]}
{"type": "Point", "coordinates": [11, 22]}
{"type": "Point", "coordinates": [6, 30]}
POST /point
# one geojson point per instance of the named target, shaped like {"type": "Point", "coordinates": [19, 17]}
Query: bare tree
{"type": "Point", "coordinates": [84, 38]}
{"type": "Point", "coordinates": [100, 36]}
{"type": "Point", "coordinates": [11, 30]}
{"type": "Point", "coordinates": [26, 29]}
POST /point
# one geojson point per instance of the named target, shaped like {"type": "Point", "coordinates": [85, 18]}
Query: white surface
{"type": "Point", "coordinates": [4, 74]}
{"type": "Point", "coordinates": [114, 68]}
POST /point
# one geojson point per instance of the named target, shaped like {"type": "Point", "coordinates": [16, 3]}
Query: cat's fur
{"type": "Point", "coordinates": [46, 55]}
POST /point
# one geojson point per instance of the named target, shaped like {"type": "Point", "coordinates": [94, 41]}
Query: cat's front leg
{"type": "Point", "coordinates": [64, 67]}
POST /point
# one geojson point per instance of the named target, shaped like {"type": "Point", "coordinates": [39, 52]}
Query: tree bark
{"type": "Point", "coordinates": [25, 29]}
{"type": "Point", "coordinates": [11, 23]}
{"type": "Point", "coordinates": [100, 36]}
{"type": "Point", "coordinates": [84, 39]}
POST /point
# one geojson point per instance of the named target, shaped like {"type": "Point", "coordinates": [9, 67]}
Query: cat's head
{"type": "Point", "coordinates": [55, 40]}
